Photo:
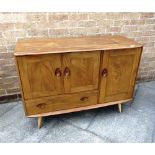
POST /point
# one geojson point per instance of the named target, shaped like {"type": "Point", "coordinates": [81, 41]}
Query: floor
{"type": "Point", "coordinates": [104, 125]}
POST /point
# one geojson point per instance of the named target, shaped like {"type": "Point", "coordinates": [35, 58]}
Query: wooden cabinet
{"type": "Point", "coordinates": [72, 74]}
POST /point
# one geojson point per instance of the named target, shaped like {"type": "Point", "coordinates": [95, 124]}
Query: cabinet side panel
{"type": "Point", "coordinates": [135, 71]}
{"type": "Point", "coordinates": [20, 82]}
{"type": "Point", "coordinates": [24, 81]}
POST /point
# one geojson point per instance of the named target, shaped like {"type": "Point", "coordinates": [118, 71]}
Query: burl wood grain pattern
{"type": "Point", "coordinates": [63, 45]}
{"type": "Point", "coordinates": [118, 82]}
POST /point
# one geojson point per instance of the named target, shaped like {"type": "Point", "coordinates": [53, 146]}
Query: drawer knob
{"type": "Point", "coordinates": [104, 72]}
{"type": "Point", "coordinates": [41, 105]}
{"type": "Point", "coordinates": [67, 72]}
{"type": "Point", "coordinates": [57, 72]}
{"type": "Point", "coordinates": [83, 99]}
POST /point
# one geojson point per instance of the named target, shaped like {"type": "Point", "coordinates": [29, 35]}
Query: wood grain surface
{"type": "Point", "coordinates": [62, 45]}
{"type": "Point", "coordinates": [84, 71]}
{"type": "Point", "coordinates": [61, 102]}
{"type": "Point", "coordinates": [121, 66]}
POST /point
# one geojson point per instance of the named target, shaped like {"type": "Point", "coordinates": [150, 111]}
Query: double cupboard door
{"type": "Point", "coordinates": [55, 74]}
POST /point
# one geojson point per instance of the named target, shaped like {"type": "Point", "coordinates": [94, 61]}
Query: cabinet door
{"type": "Point", "coordinates": [40, 75]}
{"type": "Point", "coordinates": [118, 73]}
{"type": "Point", "coordinates": [81, 71]}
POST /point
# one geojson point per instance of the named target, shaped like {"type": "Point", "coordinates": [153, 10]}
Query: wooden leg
{"type": "Point", "coordinates": [120, 108]}
{"type": "Point", "coordinates": [40, 120]}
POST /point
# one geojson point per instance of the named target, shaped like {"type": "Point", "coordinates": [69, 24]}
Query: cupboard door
{"type": "Point", "coordinates": [40, 75]}
{"type": "Point", "coordinates": [118, 73]}
{"type": "Point", "coordinates": [81, 71]}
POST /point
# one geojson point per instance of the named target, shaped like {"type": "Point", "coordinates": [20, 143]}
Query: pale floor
{"type": "Point", "coordinates": [135, 124]}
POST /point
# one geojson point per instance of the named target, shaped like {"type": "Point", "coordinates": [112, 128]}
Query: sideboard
{"type": "Point", "coordinates": [63, 75]}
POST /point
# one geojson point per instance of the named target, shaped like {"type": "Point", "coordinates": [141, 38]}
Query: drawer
{"type": "Point", "coordinates": [61, 102]}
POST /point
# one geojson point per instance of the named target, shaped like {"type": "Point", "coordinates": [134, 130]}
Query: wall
{"type": "Point", "coordinates": [13, 26]}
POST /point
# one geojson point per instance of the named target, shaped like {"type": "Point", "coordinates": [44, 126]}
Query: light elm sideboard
{"type": "Point", "coordinates": [72, 74]}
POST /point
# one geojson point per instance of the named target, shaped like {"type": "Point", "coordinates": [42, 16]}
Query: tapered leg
{"type": "Point", "coordinates": [40, 120]}
{"type": "Point", "coordinates": [120, 108]}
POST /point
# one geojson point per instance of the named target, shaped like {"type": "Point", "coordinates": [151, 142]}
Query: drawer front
{"type": "Point", "coordinates": [61, 102]}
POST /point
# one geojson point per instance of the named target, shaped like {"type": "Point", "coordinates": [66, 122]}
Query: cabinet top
{"type": "Point", "coordinates": [76, 44]}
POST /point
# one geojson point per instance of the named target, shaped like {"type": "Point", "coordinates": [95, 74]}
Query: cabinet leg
{"type": "Point", "coordinates": [120, 107]}
{"type": "Point", "coordinates": [40, 121]}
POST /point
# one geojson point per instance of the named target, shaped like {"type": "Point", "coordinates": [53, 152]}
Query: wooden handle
{"type": "Point", "coordinates": [84, 99]}
{"type": "Point", "coordinates": [67, 72]}
{"type": "Point", "coordinates": [58, 72]}
{"type": "Point", "coordinates": [104, 72]}
{"type": "Point", "coordinates": [41, 105]}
